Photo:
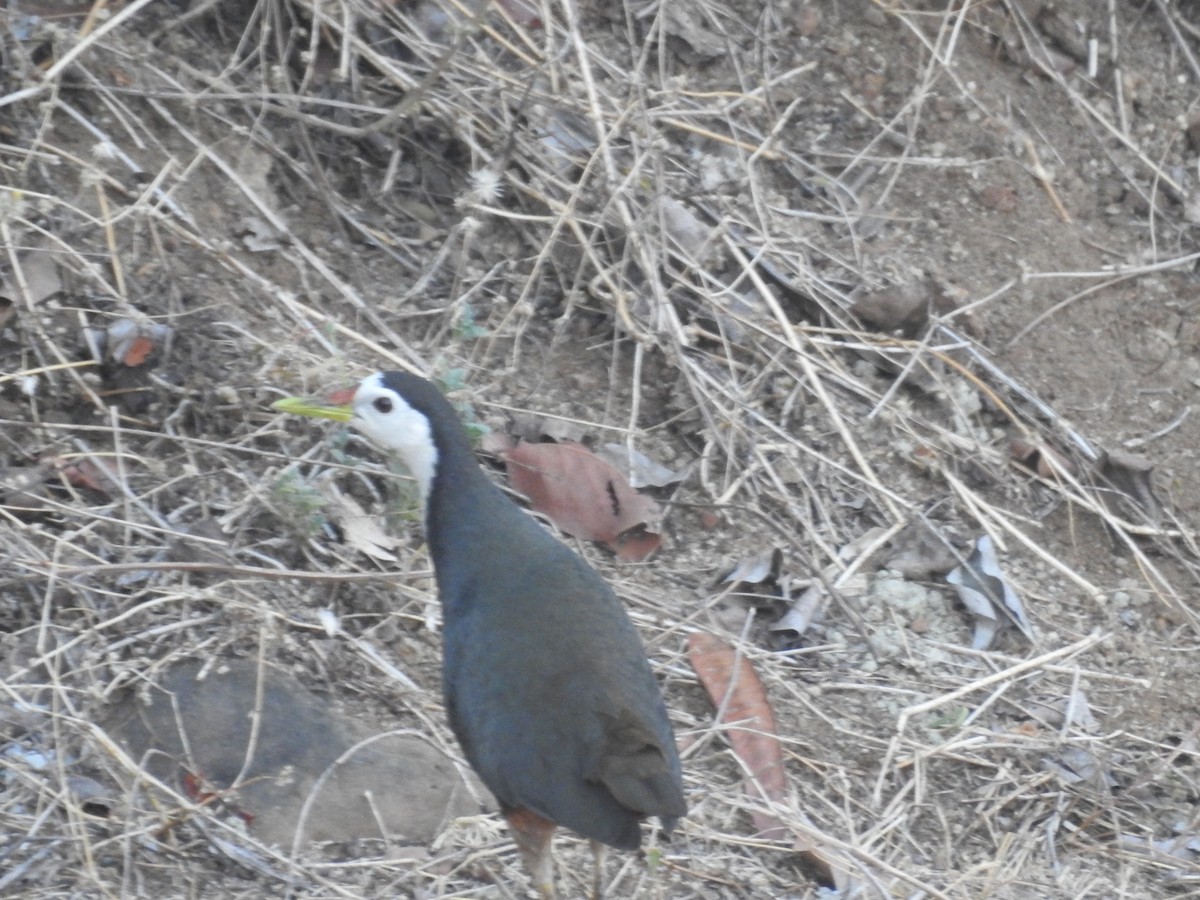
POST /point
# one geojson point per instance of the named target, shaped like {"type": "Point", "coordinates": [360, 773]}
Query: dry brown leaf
{"type": "Point", "coordinates": [734, 687]}
{"type": "Point", "coordinates": [39, 278]}
{"type": "Point", "coordinates": [740, 694]}
{"type": "Point", "coordinates": [1041, 458]}
{"type": "Point", "coordinates": [1127, 486]}
{"type": "Point", "coordinates": [127, 342]}
{"type": "Point", "coordinates": [584, 496]}
{"type": "Point", "coordinates": [99, 475]}
{"type": "Point", "coordinates": [361, 531]}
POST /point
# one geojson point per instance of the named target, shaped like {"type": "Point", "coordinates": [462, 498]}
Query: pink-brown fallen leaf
{"type": "Point", "coordinates": [94, 474]}
{"type": "Point", "coordinates": [584, 496]}
{"type": "Point", "coordinates": [635, 544]}
{"type": "Point", "coordinates": [138, 351]}
{"type": "Point", "coordinates": [734, 687]}
{"type": "Point", "coordinates": [740, 693]}
{"type": "Point", "coordinates": [128, 342]}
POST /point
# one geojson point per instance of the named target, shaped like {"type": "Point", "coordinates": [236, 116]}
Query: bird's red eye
{"type": "Point", "coordinates": [383, 404]}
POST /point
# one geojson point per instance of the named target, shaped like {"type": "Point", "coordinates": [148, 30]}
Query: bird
{"type": "Point", "coordinates": [546, 682]}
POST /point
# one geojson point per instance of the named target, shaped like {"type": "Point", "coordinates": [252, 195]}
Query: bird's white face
{"type": "Point", "coordinates": [386, 419]}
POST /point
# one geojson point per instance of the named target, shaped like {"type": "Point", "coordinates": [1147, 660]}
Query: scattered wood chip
{"type": "Point", "coordinates": [803, 611]}
{"type": "Point", "coordinates": [809, 605]}
{"type": "Point", "coordinates": [1072, 710]}
{"type": "Point", "coordinates": [1077, 765]}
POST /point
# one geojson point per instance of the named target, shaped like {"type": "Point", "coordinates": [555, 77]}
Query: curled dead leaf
{"type": "Point", "coordinates": [1127, 487]}
{"type": "Point", "coordinates": [761, 567]}
{"type": "Point", "coordinates": [361, 531]}
{"type": "Point", "coordinates": [584, 496]}
{"type": "Point", "coordinates": [126, 342]}
{"type": "Point", "coordinates": [987, 595]}
{"type": "Point", "coordinates": [735, 689]}
{"type": "Point", "coordinates": [94, 473]}
{"type": "Point", "coordinates": [1043, 459]}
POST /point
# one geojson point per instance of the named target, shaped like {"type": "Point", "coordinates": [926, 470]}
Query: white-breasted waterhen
{"type": "Point", "coordinates": [545, 679]}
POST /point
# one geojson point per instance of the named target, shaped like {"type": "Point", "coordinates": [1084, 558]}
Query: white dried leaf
{"type": "Point", "coordinates": [987, 595]}
{"type": "Point", "coordinates": [329, 621]}
{"type": "Point", "coordinates": [810, 605]}
{"type": "Point", "coordinates": [259, 235]}
{"type": "Point", "coordinates": [640, 469]}
{"type": "Point", "coordinates": [362, 532]}
{"type": "Point", "coordinates": [688, 21]}
{"type": "Point", "coordinates": [756, 569]}
{"type": "Point", "coordinates": [684, 228]}
{"type": "Point", "coordinates": [804, 610]}
{"type": "Point", "coordinates": [117, 339]}
{"type": "Point", "coordinates": [1076, 765]}
{"type": "Point", "coordinates": [39, 272]}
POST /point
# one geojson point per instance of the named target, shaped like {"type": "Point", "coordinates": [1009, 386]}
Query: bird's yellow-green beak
{"type": "Point", "coordinates": [339, 412]}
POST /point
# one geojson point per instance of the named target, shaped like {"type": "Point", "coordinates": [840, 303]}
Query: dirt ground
{"type": "Point", "coordinates": [874, 280]}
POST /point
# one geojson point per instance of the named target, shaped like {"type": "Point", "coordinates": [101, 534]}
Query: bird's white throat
{"type": "Point", "coordinates": [388, 421]}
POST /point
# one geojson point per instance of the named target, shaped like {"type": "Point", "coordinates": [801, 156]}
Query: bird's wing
{"type": "Point", "coordinates": [637, 769]}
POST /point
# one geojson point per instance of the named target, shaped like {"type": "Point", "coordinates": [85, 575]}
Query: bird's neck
{"type": "Point", "coordinates": [421, 460]}
{"type": "Point", "coordinates": [467, 517]}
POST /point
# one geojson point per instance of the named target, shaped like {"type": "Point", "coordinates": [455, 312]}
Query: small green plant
{"type": "Point", "coordinates": [465, 326]}
{"type": "Point", "coordinates": [301, 506]}
{"type": "Point", "coordinates": [952, 718]}
{"type": "Point", "coordinates": [455, 379]}
{"type": "Point", "coordinates": [654, 857]}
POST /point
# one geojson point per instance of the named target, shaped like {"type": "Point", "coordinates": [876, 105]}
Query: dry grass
{"type": "Point", "coordinates": [405, 169]}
